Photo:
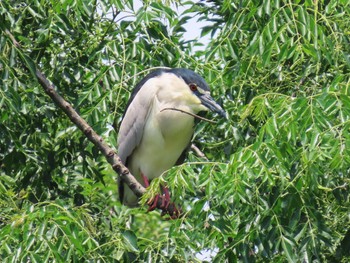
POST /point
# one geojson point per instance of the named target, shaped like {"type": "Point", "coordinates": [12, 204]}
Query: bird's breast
{"type": "Point", "coordinates": [175, 125]}
{"type": "Point", "coordinates": [166, 135]}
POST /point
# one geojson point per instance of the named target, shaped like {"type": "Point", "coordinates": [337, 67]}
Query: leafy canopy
{"type": "Point", "coordinates": [276, 187]}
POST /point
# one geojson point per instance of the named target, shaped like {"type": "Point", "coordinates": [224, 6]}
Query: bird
{"type": "Point", "coordinates": [158, 124]}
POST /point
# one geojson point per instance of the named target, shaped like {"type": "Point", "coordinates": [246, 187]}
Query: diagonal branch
{"type": "Point", "coordinates": [110, 155]}
{"type": "Point", "coordinates": [97, 140]}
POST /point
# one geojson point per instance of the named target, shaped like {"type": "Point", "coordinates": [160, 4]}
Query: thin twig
{"type": "Point", "coordinates": [14, 41]}
{"type": "Point", "coordinates": [198, 151]}
{"type": "Point", "coordinates": [189, 113]}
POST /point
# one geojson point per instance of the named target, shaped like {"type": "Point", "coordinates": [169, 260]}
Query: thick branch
{"type": "Point", "coordinates": [97, 140]}
{"type": "Point", "coordinates": [107, 151]}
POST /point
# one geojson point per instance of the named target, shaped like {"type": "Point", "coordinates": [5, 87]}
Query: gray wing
{"type": "Point", "coordinates": [134, 118]}
{"type": "Point", "coordinates": [132, 126]}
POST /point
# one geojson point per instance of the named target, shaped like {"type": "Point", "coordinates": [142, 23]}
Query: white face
{"type": "Point", "coordinates": [175, 92]}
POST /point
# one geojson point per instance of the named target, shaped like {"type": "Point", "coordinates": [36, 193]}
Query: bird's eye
{"type": "Point", "coordinates": [193, 87]}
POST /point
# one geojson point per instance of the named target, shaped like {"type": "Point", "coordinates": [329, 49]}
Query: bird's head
{"type": "Point", "coordinates": [188, 89]}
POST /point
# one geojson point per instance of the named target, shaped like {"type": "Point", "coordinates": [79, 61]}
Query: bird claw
{"type": "Point", "coordinates": [153, 203]}
{"type": "Point", "coordinates": [166, 206]}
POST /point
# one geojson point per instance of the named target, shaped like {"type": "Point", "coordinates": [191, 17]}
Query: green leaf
{"type": "Point", "coordinates": [29, 63]}
{"type": "Point", "coordinates": [130, 241]}
{"type": "Point", "coordinates": [288, 245]}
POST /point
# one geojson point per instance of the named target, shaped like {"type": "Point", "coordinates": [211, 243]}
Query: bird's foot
{"type": "Point", "coordinates": [159, 201]}
{"type": "Point", "coordinates": [163, 202]}
{"type": "Point", "coordinates": [167, 207]}
{"type": "Point", "coordinates": [153, 203]}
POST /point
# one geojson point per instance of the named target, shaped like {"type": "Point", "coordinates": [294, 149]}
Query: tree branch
{"type": "Point", "coordinates": [93, 137]}
{"type": "Point", "coordinates": [110, 155]}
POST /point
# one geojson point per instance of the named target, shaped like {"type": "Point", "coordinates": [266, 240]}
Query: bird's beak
{"type": "Point", "coordinates": [212, 105]}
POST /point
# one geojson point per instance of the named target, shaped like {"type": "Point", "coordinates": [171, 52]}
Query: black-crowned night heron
{"type": "Point", "coordinates": [158, 124]}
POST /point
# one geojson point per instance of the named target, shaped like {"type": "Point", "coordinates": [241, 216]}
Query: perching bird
{"type": "Point", "coordinates": [158, 124]}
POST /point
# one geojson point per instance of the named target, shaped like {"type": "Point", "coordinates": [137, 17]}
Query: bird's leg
{"type": "Point", "coordinates": [145, 180]}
